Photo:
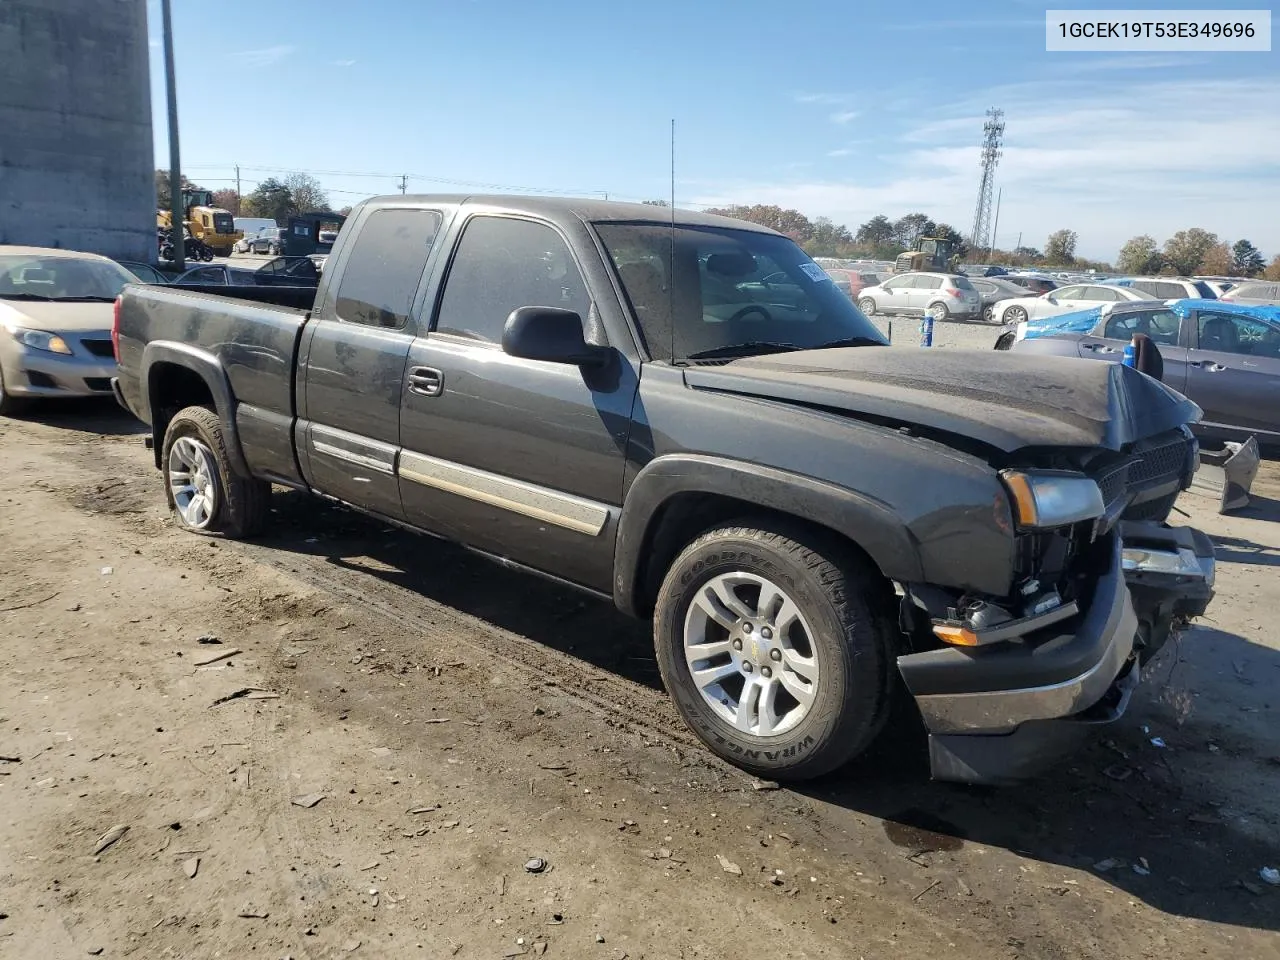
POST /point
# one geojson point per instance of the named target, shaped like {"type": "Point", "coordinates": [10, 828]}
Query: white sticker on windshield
{"type": "Point", "coordinates": [814, 272]}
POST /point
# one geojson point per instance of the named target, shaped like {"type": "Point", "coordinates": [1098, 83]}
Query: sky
{"type": "Point", "coordinates": [844, 110]}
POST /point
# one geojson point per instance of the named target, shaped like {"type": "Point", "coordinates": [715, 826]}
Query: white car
{"type": "Point", "coordinates": [1079, 296]}
{"type": "Point", "coordinates": [944, 296]}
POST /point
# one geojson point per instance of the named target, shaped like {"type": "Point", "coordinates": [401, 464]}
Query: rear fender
{"type": "Point", "coordinates": [210, 370]}
{"type": "Point", "coordinates": [869, 523]}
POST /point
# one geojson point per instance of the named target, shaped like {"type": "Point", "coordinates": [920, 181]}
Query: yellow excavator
{"type": "Point", "coordinates": [930, 253]}
{"type": "Point", "coordinates": [213, 225]}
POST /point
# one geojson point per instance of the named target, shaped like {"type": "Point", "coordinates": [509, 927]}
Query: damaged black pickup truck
{"type": "Point", "coordinates": [686, 417]}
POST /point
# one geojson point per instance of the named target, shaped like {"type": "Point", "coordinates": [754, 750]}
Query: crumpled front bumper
{"type": "Point", "coordinates": [1003, 713]}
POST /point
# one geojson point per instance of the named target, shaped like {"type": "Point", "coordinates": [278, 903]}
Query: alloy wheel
{"type": "Point", "coordinates": [750, 652]}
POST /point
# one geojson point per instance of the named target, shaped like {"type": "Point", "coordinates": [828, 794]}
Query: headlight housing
{"type": "Point", "coordinates": [1044, 499]}
{"type": "Point", "coordinates": [40, 340]}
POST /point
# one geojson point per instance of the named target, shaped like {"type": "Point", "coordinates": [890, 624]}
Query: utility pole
{"type": "Point", "coordinates": [238, 198]}
{"type": "Point", "coordinates": [175, 159]}
{"type": "Point", "coordinates": [404, 183]}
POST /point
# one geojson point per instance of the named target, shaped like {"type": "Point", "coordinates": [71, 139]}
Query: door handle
{"type": "Point", "coordinates": [426, 381]}
{"type": "Point", "coordinates": [1207, 365]}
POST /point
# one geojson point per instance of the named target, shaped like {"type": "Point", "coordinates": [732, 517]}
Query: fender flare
{"type": "Point", "coordinates": [211, 371]}
{"type": "Point", "coordinates": [867, 522]}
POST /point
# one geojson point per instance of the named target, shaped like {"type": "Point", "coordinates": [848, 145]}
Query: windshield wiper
{"type": "Point", "coordinates": [83, 299]}
{"type": "Point", "coordinates": [23, 296]}
{"type": "Point", "coordinates": [745, 349]}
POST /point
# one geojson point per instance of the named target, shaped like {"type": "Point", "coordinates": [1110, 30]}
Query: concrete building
{"type": "Point", "coordinates": [76, 155]}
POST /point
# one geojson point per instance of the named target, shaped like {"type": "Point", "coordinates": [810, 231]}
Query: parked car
{"type": "Point", "coordinates": [972, 270]}
{"type": "Point", "coordinates": [1037, 283]}
{"type": "Point", "coordinates": [1255, 293]}
{"type": "Point", "coordinates": [944, 296]}
{"type": "Point", "coordinates": [851, 282]}
{"type": "Point", "coordinates": [269, 241]}
{"type": "Point", "coordinates": [55, 324]}
{"type": "Point", "coordinates": [251, 227]}
{"type": "Point", "coordinates": [532, 378]}
{"type": "Point", "coordinates": [1220, 285]}
{"type": "Point", "coordinates": [282, 271]}
{"type": "Point", "coordinates": [145, 272]}
{"type": "Point", "coordinates": [1078, 296]}
{"type": "Point", "coordinates": [1167, 288]}
{"type": "Point", "coordinates": [993, 290]}
{"type": "Point", "coordinates": [1223, 356]}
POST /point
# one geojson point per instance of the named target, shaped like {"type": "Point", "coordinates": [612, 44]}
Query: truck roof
{"type": "Point", "coordinates": [583, 208]}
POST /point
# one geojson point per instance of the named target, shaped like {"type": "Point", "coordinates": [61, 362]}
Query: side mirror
{"type": "Point", "coordinates": [552, 335]}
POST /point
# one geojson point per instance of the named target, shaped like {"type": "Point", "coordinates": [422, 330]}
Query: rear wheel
{"type": "Point", "coordinates": [939, 312]}
{"type": "Point", "coordinates": [773, 647]}
{"type": "Point", "coordinates": [203, 490]}
{"type": "Point", "coordinates": [867, 306]}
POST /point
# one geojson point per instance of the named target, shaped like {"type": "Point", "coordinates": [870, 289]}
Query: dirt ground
{"type": "Point", "coordinates": [407, 727]}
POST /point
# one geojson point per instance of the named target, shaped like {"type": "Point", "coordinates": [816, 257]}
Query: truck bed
{"type": "Point", "coordinates": [298, 296]}
{"type": "Point", "coordinates": [243, 347]}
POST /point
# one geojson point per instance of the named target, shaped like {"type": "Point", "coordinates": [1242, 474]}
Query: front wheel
{"type": "Point", "coordinates": [772, 645]}
{"type": "Point", "coordinates": [1015, 315]}
{"type": "Point", "coordinates": [205, 493]}
{"type": "Point", "coordinates": [867, 306]}
{"type": "Point", "coordinates": [9, 404]}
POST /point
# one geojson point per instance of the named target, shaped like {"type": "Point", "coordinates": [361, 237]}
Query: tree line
{"type": "Point", "coordinates": [1195, 252]}
{"type": "Point", "coordinates": [1188, 252]}
{"type": "Point", "coordinates": [274, 199]}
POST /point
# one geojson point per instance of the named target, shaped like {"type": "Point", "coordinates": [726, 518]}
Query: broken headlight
{"type": "Point", "coordinates": [1044, 499]}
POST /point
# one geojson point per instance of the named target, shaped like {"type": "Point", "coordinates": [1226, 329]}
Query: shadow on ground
{"type": "Point", "coordinates": [92, 415]}
{"type": "Point", "coordinates": [1121, 799]}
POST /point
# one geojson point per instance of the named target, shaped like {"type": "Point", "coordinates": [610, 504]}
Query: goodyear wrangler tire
{"type": "Point", "coordinates": [768, 642]}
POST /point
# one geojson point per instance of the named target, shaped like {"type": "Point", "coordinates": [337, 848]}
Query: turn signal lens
{"type": "Point", "coordinates": [956, 636]}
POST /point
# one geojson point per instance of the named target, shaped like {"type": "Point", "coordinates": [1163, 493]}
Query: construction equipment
{"type": "Point", "coordinates": [207, 223]}
{"type": "Point", "coordinates": [930, 253]}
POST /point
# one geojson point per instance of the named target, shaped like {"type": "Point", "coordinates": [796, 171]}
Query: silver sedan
{"type": "Point", "coordinates": [55, 324]}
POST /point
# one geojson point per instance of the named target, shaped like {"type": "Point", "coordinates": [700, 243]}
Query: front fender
{"type": "Point", "coordinates": [869, 523]}
{"type": "Point", "coordinates": [210, 370]}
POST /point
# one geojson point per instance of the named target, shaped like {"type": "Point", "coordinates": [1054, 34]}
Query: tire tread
{"type": "Point", "coordinates": [857, 593]}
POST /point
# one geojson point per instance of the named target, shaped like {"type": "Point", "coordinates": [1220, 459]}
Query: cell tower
{"type": "Point", "coordinates": [992, 138]}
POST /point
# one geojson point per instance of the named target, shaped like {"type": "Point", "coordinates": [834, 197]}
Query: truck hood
{"type": "Point", "coordinates": [1005, 400]}
{"type": "Point", "coordinates": [56, 317]}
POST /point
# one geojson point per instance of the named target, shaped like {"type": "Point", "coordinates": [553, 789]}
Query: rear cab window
{"type": "Point", "coordinates": [382, 273]}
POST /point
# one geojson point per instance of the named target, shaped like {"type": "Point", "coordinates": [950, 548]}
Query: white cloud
{"type": "Point", "coordinates": [831, 99]}
{"type": "Point", "coordinates": [344, 63]}
{"type": "Point", "coordinates": [844, 116]}
{"type": "Point", "coordinates": [842, 152]}
{"type": "Point", "coordinates": [264, 57]}
{"type": "Point", "coordinates": [1106, 160]}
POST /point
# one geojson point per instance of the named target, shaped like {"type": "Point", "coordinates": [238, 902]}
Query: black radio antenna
{"type": "Point", "coordinates": [671, 261]}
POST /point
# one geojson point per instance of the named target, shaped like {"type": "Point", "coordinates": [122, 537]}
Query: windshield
{"type": "Point", "coordinates": [1206, 292]}
{"type": "Point", "coordinates": [733, 291]}
{"type": "Point", "coordinates": [27, 277]}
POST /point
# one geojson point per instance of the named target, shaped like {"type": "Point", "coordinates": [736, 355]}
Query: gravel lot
{"type": "Point", "coordinates": [386, 730]}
